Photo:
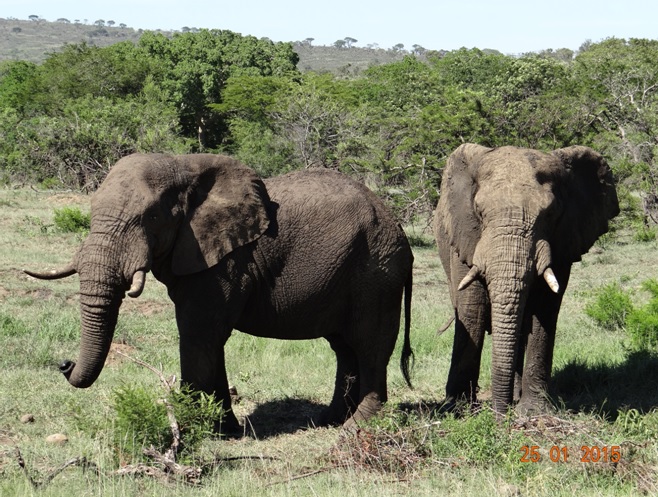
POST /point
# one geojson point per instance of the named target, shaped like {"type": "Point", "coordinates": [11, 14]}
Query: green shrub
{"type": "Point", "coordinates": [611, 307]}
{"type": "Point", "coordinates": [642, 324]}
{"type": "Point", "coordinates": [644, 234]}
{"type": "Point", "coordinates": [72, 220]}
{"type": "Point", "coordinates": [142, 420]}
{"type": "Point", "coordinates": [196, 414]}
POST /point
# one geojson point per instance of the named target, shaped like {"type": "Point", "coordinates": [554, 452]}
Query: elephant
{"type": "Point", "coordinates": [305, 255]}
{"type": "Point", "coordinates": [509, 224]}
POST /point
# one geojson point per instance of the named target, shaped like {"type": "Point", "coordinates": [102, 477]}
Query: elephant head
{"type": "Point", "coordinates": [182, 214]}
{"type": "Point", "coordinates": [511, 215]}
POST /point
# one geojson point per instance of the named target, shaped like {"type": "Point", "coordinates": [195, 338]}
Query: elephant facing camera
{"type": "Point", "coordinates": [509, 224]}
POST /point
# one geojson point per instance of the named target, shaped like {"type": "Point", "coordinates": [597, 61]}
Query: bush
{"type": "Point", "coordinates": [644, 234]}
{"type": "Point", "coordinates": [611, 307]}
{"type": "Point", "coordinates": [72, 220]}
{"type": "Point", "coordinates": [142, 419]}
{"type": "Point", "coordinates": [642, 324]}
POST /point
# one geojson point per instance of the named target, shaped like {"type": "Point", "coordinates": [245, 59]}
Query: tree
{"type": "Point", "coordinates": [350, 41]}
{"type": "Point", "coordinates": [619, 89]}
{"type": "Point", "coordinates": [193, 68]}
{"type": "Point", "coordinates": [418, 50]}
{"type": "Point", "coordinates": [19, 81]}
{"type": "Point", "coordinates": [99, 23]}
{"type": "Point", "coordinates": [340, 43]}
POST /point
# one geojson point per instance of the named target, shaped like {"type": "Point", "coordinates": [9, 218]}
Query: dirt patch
{"type": "Point", "coordinates": [115, 357]}
{"type": "Point", "coordinates": [6, 438]}
{"type": "Point", "coordinates": [38, 294]}
{"type": "Point", "coordinates": [144, 307]}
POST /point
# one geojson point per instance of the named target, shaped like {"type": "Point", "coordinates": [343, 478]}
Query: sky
{"type": "Point", "coordinates": [509, 26]}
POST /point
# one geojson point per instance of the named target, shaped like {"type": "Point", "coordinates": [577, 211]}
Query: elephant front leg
{"type": "Point", "coordinates": [203, 369]}
{"type": "Point", "coordinates": [545, 307]}
{"type": "Point", "coordinates": [472, 319]}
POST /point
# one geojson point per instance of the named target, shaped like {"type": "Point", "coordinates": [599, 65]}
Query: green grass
{"type": "Point", "coordinates": [607, 392]}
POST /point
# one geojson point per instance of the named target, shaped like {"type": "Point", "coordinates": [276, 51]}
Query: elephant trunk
{"type": "Point", "coordinates": [509, 265]}
{"type": "Point", "coordinates": [103, 284]}
{"type": "Point", "coordinates": [98, 321]}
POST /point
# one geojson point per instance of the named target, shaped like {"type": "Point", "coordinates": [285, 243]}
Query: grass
{"type": "Point", "coordinates": [608, 395]}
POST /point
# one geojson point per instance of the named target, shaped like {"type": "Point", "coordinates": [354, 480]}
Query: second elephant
{"type": "Point", "coordinates": [307, 255]}
{"type": "Point", "coordinates": [509, 224]}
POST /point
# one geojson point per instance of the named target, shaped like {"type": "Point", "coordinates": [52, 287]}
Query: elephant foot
{"type": "Point", "coordinates": [533, 407]}
{"type": "Point", "coordinates": [369, 406]}
{"type": "Point", "coordinates": [228, 425]}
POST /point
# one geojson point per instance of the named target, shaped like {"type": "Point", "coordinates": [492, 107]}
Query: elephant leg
{"type": "Point", "coordinates": [373, 342]}
{"type": "Point", "coordinates": [346, 389]}
{"type": "Point", "coordinates": [545, 307]}
{"type": "Point", "coordinates": [472, 319]}
{"type": "Point", "coordinates": [203, 366]}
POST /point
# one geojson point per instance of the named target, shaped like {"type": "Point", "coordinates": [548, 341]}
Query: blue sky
{"type": "Point", "coordinates": [510, 26]}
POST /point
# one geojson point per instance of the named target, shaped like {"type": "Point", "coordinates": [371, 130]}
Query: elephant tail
{"type": "Point", "coordinates": [407, 353]}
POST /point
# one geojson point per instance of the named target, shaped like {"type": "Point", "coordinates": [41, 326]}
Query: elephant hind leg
{"type": "Point", "coordinates": [373, 342]}
{"type": "Point", "coordinates": [346, 389]}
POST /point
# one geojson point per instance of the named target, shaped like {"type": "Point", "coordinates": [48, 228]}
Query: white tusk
{"type": "Point", "coordinates": [138, 283]}
{"type": "Point", "coordinates": [550, 278]}
{"type": "Point", "coordinates": [55, 274]}
{"type": "Point", "coordinates": [470, 277]}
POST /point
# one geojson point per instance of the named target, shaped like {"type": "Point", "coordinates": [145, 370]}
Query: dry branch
{"type": "Point", "coordinates": [76, 461]}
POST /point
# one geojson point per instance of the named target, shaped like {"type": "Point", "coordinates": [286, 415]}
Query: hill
{"type": "Point", "coordinates": [33, 40]}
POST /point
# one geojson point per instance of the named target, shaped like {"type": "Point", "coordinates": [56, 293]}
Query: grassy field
{"type": "Point", "coordinates": [608, 395]}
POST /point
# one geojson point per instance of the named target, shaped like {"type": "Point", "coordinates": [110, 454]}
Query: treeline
{"type": "Point", "coordinates": [67, 120]}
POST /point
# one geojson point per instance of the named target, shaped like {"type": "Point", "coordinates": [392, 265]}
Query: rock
{"type": "Point", "coordinates": [57, 439]}
{"type": "Point", "coordinates": [27, 418]}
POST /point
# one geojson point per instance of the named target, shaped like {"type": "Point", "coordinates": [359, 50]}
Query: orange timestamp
{"type": "Point", "coordinates": [588, 453]}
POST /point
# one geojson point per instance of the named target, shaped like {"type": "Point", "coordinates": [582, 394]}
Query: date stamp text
{"type": "Point", "coordinates": [588, 454]}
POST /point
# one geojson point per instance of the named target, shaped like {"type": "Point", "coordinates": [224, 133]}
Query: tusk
{"type": "Point", "coordinates": [55, 274]}
{"type": "Point", "coordinates": [472, 275]}
{"type": "Point", "coordinates": [550, 278]}
{"type": "Point", "coordinates": [138, 283]}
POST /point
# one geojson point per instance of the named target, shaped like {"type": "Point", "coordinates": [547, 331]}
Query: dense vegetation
{"type": "Point", "coordinates": [66, 120]}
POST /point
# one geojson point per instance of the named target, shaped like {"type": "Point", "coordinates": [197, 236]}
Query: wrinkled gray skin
{"type": "Point", "coordinates": [509, 224]}
{"type": "Point", "coordinates": [307, 255]}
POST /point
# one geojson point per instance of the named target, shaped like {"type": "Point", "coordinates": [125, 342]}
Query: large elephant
{"type": "Point", "coordinates": [509, 224]}
{"type": "Point", "coordinates": [305, 255]}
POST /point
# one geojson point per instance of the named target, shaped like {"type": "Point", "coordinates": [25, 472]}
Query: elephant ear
{"type": "Point", "coordinates": [226, 209]}
{"type": "Point", "coordinates": [589, 201]}
{"type": "Point", "coordinates": [457, 218]}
